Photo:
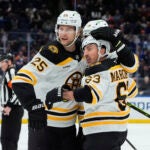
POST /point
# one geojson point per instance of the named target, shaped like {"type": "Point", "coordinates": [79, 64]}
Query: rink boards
{"type": "Point", "coordinates": [135, 117]}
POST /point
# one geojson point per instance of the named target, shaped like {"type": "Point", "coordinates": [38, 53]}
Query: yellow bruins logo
{"type": "Point", "coordinates": [53, 49]}
{"type": "Point", "coordinates": [74, 80]}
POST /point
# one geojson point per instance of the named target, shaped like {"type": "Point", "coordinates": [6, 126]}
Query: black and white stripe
{"type": "Point", "coordinates": [7, 94]}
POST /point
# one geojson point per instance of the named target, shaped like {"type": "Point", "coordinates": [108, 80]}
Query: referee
{"type": "Point", "coordinates": [12, 111]}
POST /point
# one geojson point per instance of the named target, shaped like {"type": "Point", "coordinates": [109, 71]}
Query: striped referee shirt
{"type": "Point", "coordinates": [7, 94]}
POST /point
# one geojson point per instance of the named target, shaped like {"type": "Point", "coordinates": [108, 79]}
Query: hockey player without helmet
{"type": "Point", "coordinates": [92, 25]}
{"type": "Point", "coordinates": [100, 44]}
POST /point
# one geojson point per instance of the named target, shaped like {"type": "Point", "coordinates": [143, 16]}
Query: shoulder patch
{"type": "Point", "coordinates": [53, 49]}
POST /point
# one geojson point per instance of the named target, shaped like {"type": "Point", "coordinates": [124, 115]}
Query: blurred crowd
{"type": "Point", "coordinates": [26, 25]}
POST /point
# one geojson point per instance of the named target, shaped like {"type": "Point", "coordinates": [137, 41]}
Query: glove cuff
{"type": "Point", "coordinates": [119, 46]}
{"type": "Point", "coordinates": [35, 105]}
{"type": "Point", "coordinates": [9, 104]}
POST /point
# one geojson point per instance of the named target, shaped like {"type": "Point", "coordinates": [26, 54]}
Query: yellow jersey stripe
{"type": "Point", "coordinates": [99, 92]}
{"type": "Point", "coordinates": [81, 108]}
{"type": "Point", "coordinates": [100, 123]}
{"type": "Point", "coordinates": [134, 68]}
{"type": "Point", "coordinates": [115, 114]}
{"type": "Point", "coordinates": [56, 118]}
{"type": "Point", "coordinates": [134, 93]}
{"type": "Point", "coordinates": [94, 100]}
{"type": "Point", "coordinates": [115, 67]}
{"type": "Point", "coordinates": [66, 61]}
{"type": "Point", "coordinates": [64, 110]}
{"type": "Point", "coordinates": [80, 118]}
{"type": "Point", "coordinates": [22, 78]}
{"type": "Point", "coordinates": [30, 74]}
{"type": "Point", "coordinates": [133, 84]}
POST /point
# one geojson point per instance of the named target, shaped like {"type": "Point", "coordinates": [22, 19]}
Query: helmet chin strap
{"type": "Point", "coordinates": [76, 36]}
{"type": "Point", "coordinates": [72, 42]}
{"type": "Point", "coordinates": [101, 56]}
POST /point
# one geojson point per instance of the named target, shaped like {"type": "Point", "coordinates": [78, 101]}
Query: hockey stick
{"type": "Point", "coordinates": [131, 144]}
{"type": "Point", "coordinates": [138, 109]}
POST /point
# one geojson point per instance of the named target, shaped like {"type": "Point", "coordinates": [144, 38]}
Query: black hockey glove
{"type": "Point", "coordinates": [55, 95]}
{"type": "Point", "coordinates": [37, 115]}
{"type": "Point", "coordinates": [109, 34]}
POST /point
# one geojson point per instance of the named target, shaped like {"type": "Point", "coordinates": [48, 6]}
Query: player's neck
{"type": "Point", "coordinates": [70, 48]}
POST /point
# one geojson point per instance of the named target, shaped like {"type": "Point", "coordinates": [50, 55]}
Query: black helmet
{"type": "Point", "coordinates": [6, 57]}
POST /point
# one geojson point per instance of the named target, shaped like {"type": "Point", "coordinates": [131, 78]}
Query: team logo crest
{"type": "Point", "coordinates": [53, 49]}
{"type": "Point", "coordinates": [74, 80]}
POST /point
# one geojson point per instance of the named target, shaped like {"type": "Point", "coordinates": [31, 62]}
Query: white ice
{"type": "Point", "coordinates": [138, 135]}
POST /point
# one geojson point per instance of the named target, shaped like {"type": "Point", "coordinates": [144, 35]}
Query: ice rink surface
{"type": "Point", "coordinates": [138, 135]}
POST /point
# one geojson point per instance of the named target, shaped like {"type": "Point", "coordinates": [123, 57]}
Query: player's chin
{"type": "Point", "coordinates": [64, 42]}
{"type": "Point", "coordinates": [89, 62]}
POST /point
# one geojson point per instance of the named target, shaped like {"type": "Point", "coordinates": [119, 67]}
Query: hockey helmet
{"type": "Point", "coordinates": [92, 25]}
{"type": "Point", "coordinates": [70, 18]}
{"type": "Point", "coordinates": [100, 44]}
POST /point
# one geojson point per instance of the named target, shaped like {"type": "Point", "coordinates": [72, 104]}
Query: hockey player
{"type": "Point", "coordinates": [121, 52]}
{"type": "Point", "coordinates": [12, 111]}
{"type": "Point", "coordinates": [106, 86]}
{"type": "Point", "coordinates": [57, 63]}
{"type": "Point", "coordinates": [99, 29]}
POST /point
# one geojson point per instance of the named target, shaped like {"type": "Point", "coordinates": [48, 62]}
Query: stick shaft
{"type": "Point", "coordinates": [131, 144]}
{"type": "Point", "coordinates": [139, 110]}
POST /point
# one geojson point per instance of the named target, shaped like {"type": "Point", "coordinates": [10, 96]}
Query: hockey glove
{"type": "Point", "coordinates": [37, 115]}
{"type": "Point", "coordinates": [55, 95]}
{"type": "Point", "coordinates": [109, 34]}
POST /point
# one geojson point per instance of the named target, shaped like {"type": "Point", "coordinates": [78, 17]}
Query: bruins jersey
{"type": "Point", "coordinates": [53, 66]}
{"type": "Point", "coordinates": [110, 85]}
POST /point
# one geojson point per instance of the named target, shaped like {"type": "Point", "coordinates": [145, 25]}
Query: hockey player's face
{"type": "Point", "coordinates": [66, 34]}
{"type": "Point", "coordinates": [91, 53]}
{"type": "Point", "coordinates": [4, 65]}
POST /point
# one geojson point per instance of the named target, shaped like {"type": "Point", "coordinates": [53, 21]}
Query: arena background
{"type": "Point", "coordinates": [26, 25]}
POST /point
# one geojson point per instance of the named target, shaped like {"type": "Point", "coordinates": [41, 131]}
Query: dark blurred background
{"type": "Point", "coordinates": [26, 25]}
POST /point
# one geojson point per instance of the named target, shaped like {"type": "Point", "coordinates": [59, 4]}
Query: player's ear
{"type": "Point", "coordinates": [103, 50]}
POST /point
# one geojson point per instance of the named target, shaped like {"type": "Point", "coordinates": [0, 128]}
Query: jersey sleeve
{"type": "Point", "coordinates": [24, 81]}
{"type": "Point", "coordinates": [80, 111]}
{"type": "Point", "coordinates": [130, 67]}
{"type": "Point", "coordinates": [132, 88]}
{"type": "Point", "coordinates": [98, 87]}
{"type": "Point", "coordinates": [93, 90]}
{"type": "Point", "coordinates": [9, 76]}
{"type": "Point", "coordinates": [50, 52]}
{"type": "Point", "coordinates": [32, 72]}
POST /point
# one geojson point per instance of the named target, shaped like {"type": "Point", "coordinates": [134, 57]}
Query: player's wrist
{"type": "Point", "coordinates": [35, 105]}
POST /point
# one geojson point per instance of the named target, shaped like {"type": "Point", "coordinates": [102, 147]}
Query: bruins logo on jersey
{"type": "Point", "coordinates": [53, 49]}
{"type": "Point", "coordinates": [74, 80]}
